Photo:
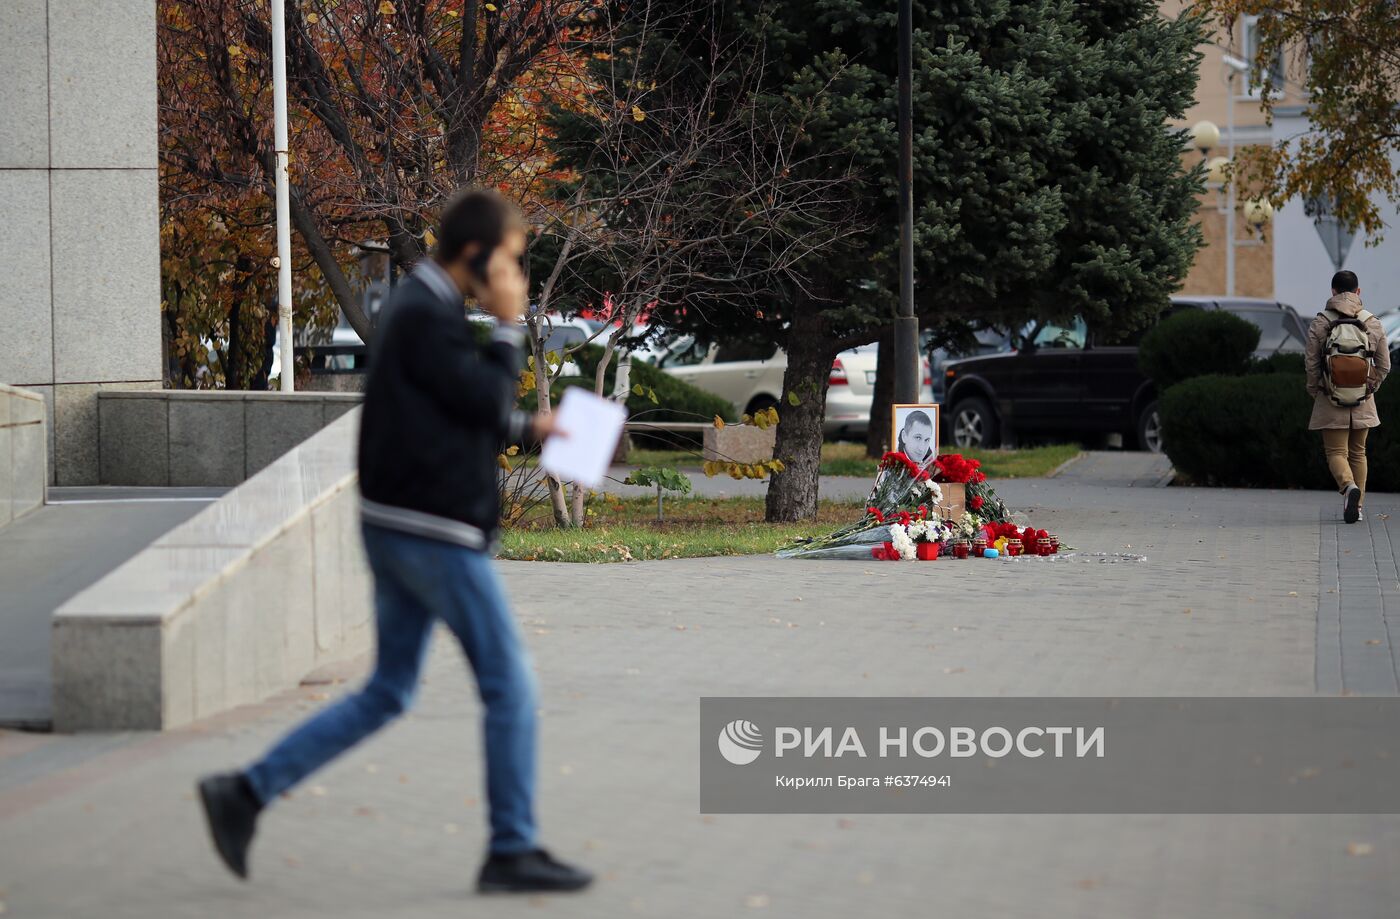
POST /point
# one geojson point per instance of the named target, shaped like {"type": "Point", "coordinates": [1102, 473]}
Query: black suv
{"type": "Point", "coordinates": [1074, 381]}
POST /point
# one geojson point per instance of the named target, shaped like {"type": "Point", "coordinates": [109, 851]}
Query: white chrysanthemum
{"type": "Point", "coordinates": [899, 536]}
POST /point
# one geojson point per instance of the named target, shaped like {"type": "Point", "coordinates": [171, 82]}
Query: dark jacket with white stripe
{"type": "Point", "coordinates": [438, 409]}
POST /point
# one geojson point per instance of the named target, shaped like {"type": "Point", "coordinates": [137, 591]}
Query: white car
{"type": "Point", "coordinates": [751, 377]}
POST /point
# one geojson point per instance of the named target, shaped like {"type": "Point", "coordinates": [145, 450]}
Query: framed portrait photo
{"type": "Point", "coordinates": [914, 429]}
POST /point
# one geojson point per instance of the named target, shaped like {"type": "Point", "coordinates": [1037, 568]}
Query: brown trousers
{"type": "Point", "coordinates": [1346, 456]}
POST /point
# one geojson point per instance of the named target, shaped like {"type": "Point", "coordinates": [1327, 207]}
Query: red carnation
{"type": "Point", "coordinates": [1041, 534]}
{"type": "Point", "coordinates": [975, 502]}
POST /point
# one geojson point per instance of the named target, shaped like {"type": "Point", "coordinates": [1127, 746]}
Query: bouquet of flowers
{"type": "Point", "coordinates": [981, 499]}
{"type": "Point", "coordinates": [901, 521]}
{"type": "Point", "coordinates": [903, 495]}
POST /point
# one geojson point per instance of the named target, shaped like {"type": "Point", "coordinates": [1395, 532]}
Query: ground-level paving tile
{"type": "Point", "coordinates": [1226, 603]}
{"type": "Point", "coordinates": [1118, 469]}
{"type": "Point", "coordinates": [1358, 621]}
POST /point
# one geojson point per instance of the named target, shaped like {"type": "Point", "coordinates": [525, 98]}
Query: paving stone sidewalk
{"type": "Point", "coordinates": [1229, 601]}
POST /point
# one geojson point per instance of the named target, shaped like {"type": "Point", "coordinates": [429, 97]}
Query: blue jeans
{"type": "Point", "coordinates": [418, 581]}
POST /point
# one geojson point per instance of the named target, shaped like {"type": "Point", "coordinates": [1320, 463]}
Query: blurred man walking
{"type": "Point", "coordinates": [437, 410]}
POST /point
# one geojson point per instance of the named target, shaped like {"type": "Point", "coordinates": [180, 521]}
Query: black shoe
{"type": "Point", "coordinates": [530, 872]}
{"type": "Point", "coordinates": [232, 811]}
{"type": "Point", "coordinates": [1351, 504]}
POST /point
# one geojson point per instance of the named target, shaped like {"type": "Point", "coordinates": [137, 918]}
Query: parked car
{"type": "Point", "coordinates": [986, 341]}
{"type": "Point", "coordinates": [1390, 322]}
{"type": "Point", "coordinates": [1072, 380]}
{"type": "Point", "coordinates": [1281, 329]}
{"type": "Point", "coordinates": [749, 374]}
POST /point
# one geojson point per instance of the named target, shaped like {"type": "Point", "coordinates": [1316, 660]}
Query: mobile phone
{"type": "Point", "coordinates": [477, 265]}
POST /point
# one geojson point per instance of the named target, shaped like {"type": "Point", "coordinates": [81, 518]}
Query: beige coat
{"type": "Point", "coordinates": [1325, 413]}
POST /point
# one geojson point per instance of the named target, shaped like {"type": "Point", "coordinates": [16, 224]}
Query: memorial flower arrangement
{"type": "Point", "coordinates": [902, 522]}
{"type": "Point", "coordinates": [904, 494]}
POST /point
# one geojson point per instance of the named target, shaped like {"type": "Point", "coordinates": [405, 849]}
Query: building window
{"type": "Point", "coordinates": [1250, 44]}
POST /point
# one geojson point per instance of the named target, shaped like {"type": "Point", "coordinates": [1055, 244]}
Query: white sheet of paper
{"type": "Point", "coordinates": [593, 426]}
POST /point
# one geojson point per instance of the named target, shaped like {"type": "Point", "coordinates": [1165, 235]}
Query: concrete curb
{"type": "Point", "coordinates": [1065, 465]}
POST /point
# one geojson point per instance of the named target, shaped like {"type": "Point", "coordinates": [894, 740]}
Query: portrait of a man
{"type": "Point", "coordinates": [915, 430]}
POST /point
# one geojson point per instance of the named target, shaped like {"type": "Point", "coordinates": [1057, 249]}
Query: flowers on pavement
{"type": "Point", "coordinates": [903, 517]}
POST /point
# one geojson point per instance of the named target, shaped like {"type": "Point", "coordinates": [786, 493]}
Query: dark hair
{"type": "Point", "coordinates": [1345, 282]}
{"type": "Point", "coordinates": [478, 216]}
{"type": "Point", "coordinates": [919, 415]}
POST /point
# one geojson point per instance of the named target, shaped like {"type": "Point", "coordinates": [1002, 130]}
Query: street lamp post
{"type": "Point", "coordinates": [1206, 135]}
{"type": "Point", "coordinates": [284, 227]}
{"type": "Point", "coordinates": [1233, 67]}
{"type": "Point", "coordinates": [906, 326]}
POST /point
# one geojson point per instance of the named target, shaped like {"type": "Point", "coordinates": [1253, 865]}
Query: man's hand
{"type": "Point", "coordinates": [506, 292]}
{"type": "Point", "coordinates": [542, 426]}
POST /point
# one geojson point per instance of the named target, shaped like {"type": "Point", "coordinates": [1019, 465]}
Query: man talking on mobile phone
{"type": "Point", "coordinates": [437, 410]}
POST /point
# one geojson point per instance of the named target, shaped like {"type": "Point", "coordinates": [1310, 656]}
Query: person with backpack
{"type": "Point", "coordinates": [1347, 359]}
{"type": "Point", "coordinates": [438, 409]}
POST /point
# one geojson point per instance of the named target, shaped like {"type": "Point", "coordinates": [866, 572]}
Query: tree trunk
{"type": "Point", "coordinates": [792, 495]}
{"type": "Point", "coordinates": [234, 370]}
{"type": "Point", "coordinates": [558, 501]}
{"type": "Point", "coordinates": [269, 339]}
{"type": "Point", "coordinates": [877, 438]}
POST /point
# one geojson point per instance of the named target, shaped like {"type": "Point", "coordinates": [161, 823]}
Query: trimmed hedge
{"type": "Point", "coordinates": [1252, 431]}
{"type": "Point", "coordinates": [676, 400]}
{"type": "Point", "coordinates": [1197, 342]}
{"type": "Point", "coordinates": [1290, 362]}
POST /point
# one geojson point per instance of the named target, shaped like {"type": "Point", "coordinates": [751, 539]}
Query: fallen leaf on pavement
{"type": "Point", "coordinates": [756, 901]}
{"type": "Point", "coordinates": [1359, 848]}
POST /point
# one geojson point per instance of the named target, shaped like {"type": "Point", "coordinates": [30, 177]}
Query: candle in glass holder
{"type": "Point", "coordinates": [1014, 547]}
{"type": "Point", "coordinates": [979, 547]}
{"type": "Point", "coordinates": [961, 550]}
{"type": "Point", "coordinates": [1054, 543]}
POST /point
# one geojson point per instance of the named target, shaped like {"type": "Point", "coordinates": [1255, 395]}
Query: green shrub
{"type": "Point", "coordinates": [1252, 431]}
{"type": "Point", "coordinates": [1243, 431]}
{"type": "Point", "coordinates": [1194, 343]}
{"type": "Point", "coordinates": [1291, 362]}
{"type": "Point", "coordinates": [676, 400]}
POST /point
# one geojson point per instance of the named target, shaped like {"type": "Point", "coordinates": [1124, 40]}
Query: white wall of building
{"type": "Point", "coordinates": [79, 233]}
{"type": "Point", "coordinates": [1302, 267]}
